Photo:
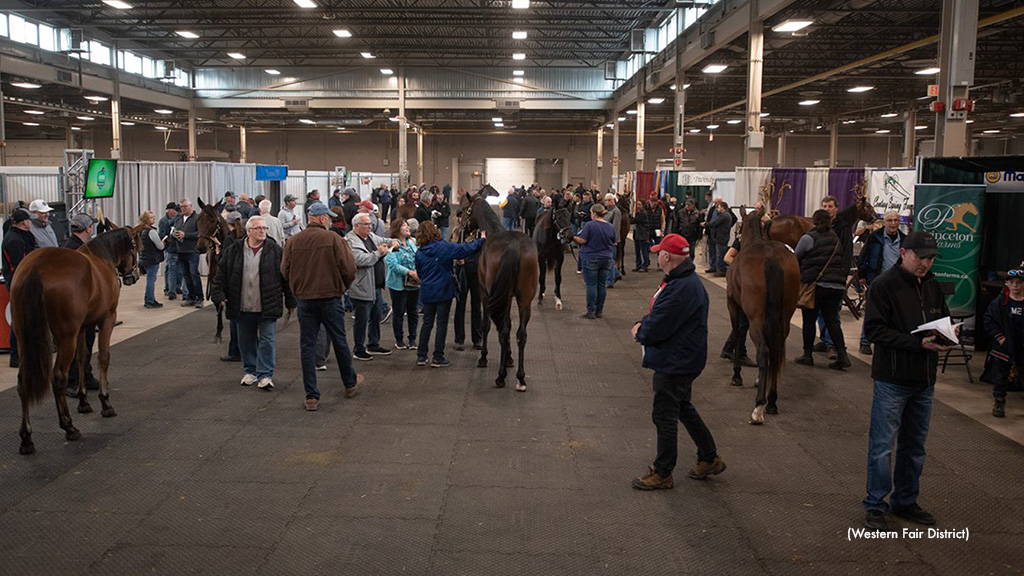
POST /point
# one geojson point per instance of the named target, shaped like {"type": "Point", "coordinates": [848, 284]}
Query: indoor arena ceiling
{"type": "Point", "coordinates": [461, 41]}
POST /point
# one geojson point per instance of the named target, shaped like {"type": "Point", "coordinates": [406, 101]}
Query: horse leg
{"type": "Point", "coordinates": [482, 362]}
{"type": "Point", "coordinates": [65, 355]}
{"type": "Point", "coordinates": [734, 312]}
{"type": "Point", "coordinates": [559, 260]}
{"type": "Point", "coordinates": [83, 404]}
{"type": "Point", "coordinates": [542, 260]}
{"type": "Point", "coordinates": [217, 338]}
{"type": "Point", "coordinates": [506, 351]}
{"type": "Point", "coordinates": [524, 319]}
{"type": "Point", "coordinates": [757, 416]}
{"type": "Point", "coordinates": [105, 328]}
{"type": "Point", "coordinates": [27, 446]}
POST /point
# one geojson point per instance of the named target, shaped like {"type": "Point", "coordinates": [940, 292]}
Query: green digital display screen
{"type": "Point", "coordinates": [99, 178]}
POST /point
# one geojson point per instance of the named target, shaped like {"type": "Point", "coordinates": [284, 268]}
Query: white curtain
{"type": "Point", "coordinates": [817, 188]}
{"type": "Point", "coordinates": [748, 184]}
{"type": "Point", "coordinates": [27, 183]}
{"type": "Point", "coordinates": [724, 185]}
{"type": "Point", "coordinates": [238, 178]}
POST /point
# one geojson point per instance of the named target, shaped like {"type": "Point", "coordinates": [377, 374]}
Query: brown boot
{"type": "Point", "coordinates": [704, 469]}
{"type": "Point", "coordinates": [653, 481]}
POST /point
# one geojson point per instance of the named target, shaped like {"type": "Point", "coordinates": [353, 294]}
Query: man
{"type": "Point", "coordinates": [469, 293]}
{"type": "Point", "coordinates": [289, 217]}
{"type": "Point", "coordinates": [335, 199]}
{"type": "Point", "coordinates": [350, 205]}
{"type": "Point", "coordinates": [384, 201]}
{"type": "Point", "coordinates": [510, 210]}
{"type": "Point", "coordinates": [709, 214]}
{"type": "Point", "coordinates": [369, 251]}
{"type": "Point", "coordinates": [423, 211]}
{"type": "Point", "coordinates": [881, 252]}
{"type": "Point", "coordinates": [614, 217]}
{"type": "Point", "coordinates": [81, 227]}
{"type": "Point", "coordinates": [842, 224]}
{"type": "Point", "coordinates": [686, 223]}
{"type": "Point", "coordinates": [376, 225]}
{"type": "Point", "coordinates": [186, 233]}
{"type": "Point", "coordinates": [41, 228]}
{"type": "Point", "coordinates": [644, 224]}
{"type": "Point", "coordinates": [18, 242]}
{"type": "Point", "coordinates": [244, 206]}
{"type": "Point", "coordinates": [173, 280]}
{"type": "Point", "coordinates": [313, 196]}
{"type": "Point", "coordinates": [275, 229]}
{"type": "Point", "coordinates": [230, 204]}
{"type": "Point", "coordinates": [250, 288]}
{"type": "Point", "coordinates": [319, 268]}
{"type": "Point", "coordinates": [531, 205]}
{"type": "Point", "coordinates": [674, 334]}
{"type": "Point", "coordinates": [718, 235]}
{"type": "Point", "coordinates": [903, 369]}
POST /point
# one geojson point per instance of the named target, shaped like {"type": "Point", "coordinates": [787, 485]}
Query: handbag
{"type": "Point", "coordinates": [805, 301]}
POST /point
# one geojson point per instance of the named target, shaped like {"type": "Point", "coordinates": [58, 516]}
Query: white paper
{"type": "Point", "coordinates": [943, 326]}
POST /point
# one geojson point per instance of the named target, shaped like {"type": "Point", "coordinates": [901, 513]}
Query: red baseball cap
{"type": "Point", "coordinates": [366, 204]}
{"type": "Point", "coordinates": [673, 244]}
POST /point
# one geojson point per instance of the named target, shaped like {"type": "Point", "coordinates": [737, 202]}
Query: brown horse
{"type": "Point", "coordinates": [509, 269]}
{"type": "Point", "coordinates": [762, 283]}
{"type": "Point", "coordinates": [59, 292]}
{"type": "Point", "coordinates": [212, 230]}
{"type": "Point", "coordinates": [788, 228]}
{"type": "Point", "coordinates": [552, 234]}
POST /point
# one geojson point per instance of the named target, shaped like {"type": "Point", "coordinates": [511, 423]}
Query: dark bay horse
{"type": "Point", "coordinates": [59, 292]}
{"type": "Point", "coordinates": [788, 229]}
{"type": "Point", "coordinates": [552, 234]}
{"type": "Point", "coordinates": [763, 283]}
{"type": "Point", "coordinates": [212, 230]}
{"type": "Point", "coordinates": [509, 269]}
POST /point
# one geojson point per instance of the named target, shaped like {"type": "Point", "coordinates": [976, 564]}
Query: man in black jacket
{"type": "Point", "coordinates": [903, 369]}
{"type": "Point", "coordinates": [186, 234]}
{"type": "Point", "coordinates": [250, 287]}
{"type": "Point", "coordinates": [18, 242]}
{"type": "Point", "coordinates": [674, 334]}
{"type": "Point", "coordinates": [686, 223]}
{"type": "Point", "coordinates": [531, 205]}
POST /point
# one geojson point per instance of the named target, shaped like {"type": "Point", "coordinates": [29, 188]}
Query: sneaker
{"type": "Point", "coordinates": [153, 305]}
{"type": "Point", "coordinates": [378, 351]}
{"type": "Point", "coordinates": [353, 391]}
{"type": "Point", "coordinates": [820, 347]}
{"type": "Point", "coordinates": [875, 520]}
{"type": "Point", "coordinates": [187, 303]}
{"type": "Point", "coordinates": [198, 303]}
{"type": "Point", "coordinates": [387, 315]}
{"type": "Point", "coordinates": [709, 271]}
{"type": "Point", "coordinates": [999, 409]}
{"type": "Point", "coordinates": [312, 404]}
{"type": "Point", "coordinates": [364, 356]}
{"type": "Point", "coordinates": [704, 469]}
{"type": "Point", "coordinates": [653, 481]}
{"type": "Point", "coordinates": [459, 346]}
{"type": "Point", "coordinates": [248, 380]}
{"type": "Point", "coordinates": [421, 361]}
{"type": "Point", "coordinates": [321, 368]}
{"type": "Point", "coordinates": [579, 272]}
{"type": "Point", "coordinates": [598, 314]}
{"type": "Point", "coordinates": [865, 349]}
{"type": "Point", "coordinates": [230, 358]}
{"type": "Point", "coordinates": [172, 296]}
{"type": "Point", "coordinates": [442, 363]}
{"type": "Point", "coordinates": [914, 513]}
{"type": "Point", "coordinates": [588, 316]}
{"type": "Point", "coordinates": [401, 346]}
{"type": "Point", "coordinates": [265, 384]}
{"type": "Point", "coordinates": [806, 360]}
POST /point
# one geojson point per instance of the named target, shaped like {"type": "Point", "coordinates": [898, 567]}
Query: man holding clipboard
{"type": "Point", "coordinates": [903, 368]}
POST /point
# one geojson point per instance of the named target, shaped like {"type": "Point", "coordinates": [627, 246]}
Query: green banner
{"type": "Point", "coordinates": [952, 213]}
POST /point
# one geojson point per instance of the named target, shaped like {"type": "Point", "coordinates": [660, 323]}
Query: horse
{"type": "Point", "coordinates": [788, 228]}
{"type": "Point", "coordinates": [509, 269]}
{"type": "Point", "coordinates": [763, 283]}
{"type": "Point", "coordinates": [957, 219]}
{"type": "Point", "coordinates": [552, 234]}
{"type": "Point", "coordinates": [212, 230]}
{"type": "Point", "coordinates": [59, 292]}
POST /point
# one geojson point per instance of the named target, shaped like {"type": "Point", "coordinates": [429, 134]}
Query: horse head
{"type": "Point", "coordinates": [561, 221]}
{"type": "Point", "coordinates": [865, 211]}
{"type": "Point", "coordinates": [211, 226]}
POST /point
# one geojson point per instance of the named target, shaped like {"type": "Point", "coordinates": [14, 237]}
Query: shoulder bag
{"type": "Point", "coordinates": [806, 299]}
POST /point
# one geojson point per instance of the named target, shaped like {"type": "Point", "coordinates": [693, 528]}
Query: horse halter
{"type": "Point", "coordinates": [564, 234]}
{"type": "Point", "coordinates": [132, 275]}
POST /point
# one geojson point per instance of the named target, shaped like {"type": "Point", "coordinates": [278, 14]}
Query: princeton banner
{"type": "Point", "coordinates": [952, 213]}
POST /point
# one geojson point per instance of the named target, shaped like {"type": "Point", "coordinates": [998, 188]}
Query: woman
{"type": "Point", "coordinates": [151, 256]}
{"type": "Point", "coordinates": [434, 263]}
{"type": "Point", "coordinates": [642, 234]}
{"type": "Point", "coordinates": [403, 282]}
{"type": "Point", "coordinates": [821, 261]}
{"type": "Point", "coordinates": [598, 239]}
{"type": "Point", "coordinates": [441, 214]}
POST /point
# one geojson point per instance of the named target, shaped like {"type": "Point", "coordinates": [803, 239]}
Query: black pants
{"type": "Point", "coordinates": [530, 224]}
{"type": "Point", "coordinates": [73, 380]}
{"type": "Point", "coordinates": [672, 405]}
{"type": "Point", "coordinates": [469, 290]}
{"type": "Point", "coordinates": [826, 301]}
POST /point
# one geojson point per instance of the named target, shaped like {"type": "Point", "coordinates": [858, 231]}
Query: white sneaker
{"type": "Point", "coordinates": [265, 384]}
{"type": "Point", "coordinates": [321, 368]}
{"type": "Point", "coordinates": [248, 380]}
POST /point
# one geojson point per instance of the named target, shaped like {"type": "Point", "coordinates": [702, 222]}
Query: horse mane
{"type": "Point", "coordinates": [486, 218]}
{"type": "Point", "coordinates": [108, 245]}
{"type": "Point", "coordinates": [751, 232]}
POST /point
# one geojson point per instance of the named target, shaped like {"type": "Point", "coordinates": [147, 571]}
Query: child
{"type": "Point", "coordinates": [1004, 323]}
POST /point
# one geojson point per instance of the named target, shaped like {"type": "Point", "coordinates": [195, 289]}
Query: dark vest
{"type": "Point", "coordinates": [816, 258]}
{"type": "Point", "coordinates": [149, 256]}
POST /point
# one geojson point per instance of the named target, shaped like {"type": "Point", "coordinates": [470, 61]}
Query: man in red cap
{"type": "Point", "coordinates": [674, 334]}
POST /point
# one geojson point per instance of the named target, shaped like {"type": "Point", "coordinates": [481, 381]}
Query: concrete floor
{"type": "Point", "coordinates": [434, 471]}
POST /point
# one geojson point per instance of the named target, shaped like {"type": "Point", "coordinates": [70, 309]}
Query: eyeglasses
{"type": "Point", "coordinates": [264, 228]}
{"type": "Point", "coordinates": [1015, 273]}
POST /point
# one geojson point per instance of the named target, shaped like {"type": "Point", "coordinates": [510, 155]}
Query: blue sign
{"type": "Point", "coordinates": [273, 173]}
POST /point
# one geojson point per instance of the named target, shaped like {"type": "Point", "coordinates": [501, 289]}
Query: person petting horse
{"type": "Point", "coordinates": [598, 239]}
{"type": "Point", "coordinates": [674, 334]}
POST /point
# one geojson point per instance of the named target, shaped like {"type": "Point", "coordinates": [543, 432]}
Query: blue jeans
{"type": "Point", "coordinates": [313, 314]}
{"type": "Point", "coordinates": [188, 264]}
{"type": "Point", "coordinates": [381, 302]}
{"type": "Point", "coordinates": [825, 337]}
{"type": "Point", "coordinates": [900, 413]}
{"type": "Point", "coordinates": [613, 273]}
{"type": "Point", "coordinates": [367, 313]}
{"type": "Point", "coordinates": [720, 265]}
{"type": "Point", "coordinates": [432, 311]}
{"type": "Point", "coordinates": [444, 232]}
{"type": "Point", "coordinates": [151, 272]}
{"type": "Point", "coordinates": [257, 343]}
{"type": "Point", "coordinates": [595, 271]}
{"type": "Point", "coordinates": [643, 253]}
{"type": "Point", "coordinates": [405, 302]}
{"type": "Point", "coordinates": [233, 350]}
{"type": "Point", "coordinates": [509, 223]}
{"type": "Point", "coordinates": [174, 280]}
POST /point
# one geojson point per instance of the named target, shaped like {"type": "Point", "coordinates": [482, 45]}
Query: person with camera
{"type": "Point", "coordinates": [369, 251]}
{"type": "Point", "coordinates": [403, 283]}
{"type": "Point", "coordinates": [186, 233]}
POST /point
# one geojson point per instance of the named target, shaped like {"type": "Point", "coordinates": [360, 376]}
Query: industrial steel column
{"type": "Point", "coordinates": [833, 144]}
{"type": "Point", "coordinates": [615, 152]}
{"type": "Point", "coordinates": [755, 73]}
{"type": "Point", "coordinates": [419, 156]}
{"type": "Point", "coordinates": [115, 114]}
{"type": "Point", "coordinates": [781, 160]}
{"type": "Point", "coordinates": [909, 142]}
{"type": "Point", "coordinates": [3, 131]}
{"type": "Point", "coordinates": [957, 50]}
{"type": "Point", "coordinates": [69, 136]}
{"type": "Point", "coordinates": [403, 150]}
{"type": "Point", "coordinates": [678, 121]}
{"type": "Point", "coordinates": [600, 156]}
{"type": "Point", "coordinates": [192, 156]}
{"type": "Point", "coordinates": [242, 145]}
{"type": "Point", "coordinates": [640, 105]}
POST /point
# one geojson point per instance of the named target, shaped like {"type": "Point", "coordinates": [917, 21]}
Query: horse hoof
{"type": "Point", "coordinates": [520, 387]}
{"type": "Point", "coordinates": [84, 409]}
{"type": "Point", "coordinates": [108, 413]}
{"type": "Point", "coordinates": [481, 363]}
{"type": "Point", "coordinates": [558, 304]}
{"type": "Point", "coordinates": [26, 448]}
{"type": "Point", "coordinates": [753, 422]}
{"type": "Point", "coordinates": [771, 410]}
{"type": "Point", "coordinates": [217, 340]}
{"type": "Point", "coordinates": [499, 383]}
{"type": "Point", "coordinates": [73, 435]}
{"type": "Point", "coordinates": [737, 382]}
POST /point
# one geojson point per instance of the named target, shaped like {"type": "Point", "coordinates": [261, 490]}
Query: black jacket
{"type": "Point", "coordinates": [815, 259]}
{"type": "Point", "coordinates": [843, 227]}
{"type": "Point", "coordinates": [675, 331]}
{"type": "Point", "coordinates": [73, 243]}
{"type": "Point", "coordinates": [687, 224]}
{"type": "Point", "coordinates": [646, 222]}
{"type": "Point", "coordinates": [227, 284]}
{"type": "Point", "coordinates": [719, 229]}
{"type": "Point", "coordinates": [444, 211]}
{"type": "Point", "coordinates": [349, 208]}
{"type": "Point", "coordinates": [530, 207]}
{"type": "Point", "coordinates": [423, 213]}
{"type": "Point", "coordinates": [582, 215]}
{"type": "Point", "coordinates": [996, 322]}
{"type": "Point", "coordinates": [17, 244]}
{"type": "Point", "coordinates": [187, 245]}
{"type": "Point", "coordinates": [897, 305]}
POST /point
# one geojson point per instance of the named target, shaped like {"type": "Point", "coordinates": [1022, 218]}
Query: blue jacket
{"type": "Point", "coordinates": [434, 264]}
{"type": "Point", "coordinates": [399, 262]}
{"type": "Point", "coordinates": [675, 332]}
{"type": "Point", "coordinates": [869, 263]}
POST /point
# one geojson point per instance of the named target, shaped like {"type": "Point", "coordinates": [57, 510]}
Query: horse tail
{"type": "Point", "coordinates": [28, 311]}
{"type": "Point", "coordinates": [499, 296]}
{"type": "Point", "coordinates": [774, 325]}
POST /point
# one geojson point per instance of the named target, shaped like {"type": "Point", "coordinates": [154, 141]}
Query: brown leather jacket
{"type": "Point", "coordinates": [318, 264]}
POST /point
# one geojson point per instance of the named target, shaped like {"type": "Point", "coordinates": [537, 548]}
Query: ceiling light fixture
{"type": "Point", "coordinates": [519, 56]}
{"type": "Point", "coordinates": [920, 127]}
{"type": "Point", "coordinates": [118, 4]}
{"type": "Point", "coordinates": [75, 128]}
{"type": "Point", "coordinates": [655, 100]}
{"type": "Point", "coordinates": [928, 71]}
{"type": "Point", "coordinates": [968, 121]}
{"type": "Point", "coordinates": [97, 98]}
{"type": "Point", "coordinates": [792, 25]}
{"type": "Point", "coordinates": [859, 89]}
{"type": "Point", "coordinates": [519, 35]}
{"type": "Point", "coordinates": [882, 131]}
{"type": "Point", "coordinates": [622, 118]}
{"type": "Point", "coordinates": [163, 111]}
{"type": "Point", "coordinates": [342, 33]}
{"type": "Point", "coordinates": [27, 85]}
{"type": "Point", "coordinates": [162, 128]}
{"type": "Point", "coordinates": [765, 114]}
{"type": "Point", "coordinates": [387, 71]}
{"type": "Point", "coordinates": [631, 112]}
{"type": "Point", "coordinates": [86, 118]}
{"type": "Point", "coordinates": [273, 72]}
{"type": "Point", "coordinates": [31, 123]}
{"type": "Point", "coordinates": [307, 121]}
{"type": "Point", "coordinates": [394, 118]}
{"type": "Point", "coordinates": [609, 125]}
{"type": "Point", "coordinates": [518, 79]}
{"type": "Point", "coordinates": [187, 34]}
{"type": "Point", "coordinates": [305, 3]}
{"type": "Point", "coordinates": [499, 124]}
{"type": "Point", "coordinates": [991, 131]}
{"type": "Point", "coordinates": [236, 55]}
{"type": "Point", "coordinates": [496, 119]}
{"type": "Point", "coordinates": [714, 69]}
{"type": "Point", "coordinates": [127, 123]}
{"type": "Point", "coordinates": [712, 126]}
{"type": "Point", "coordinates": [809, 102]}
{"type": "Point", "coordinates": [367, 55]}
{"type": "Point", "coordinates": [518, 72]}
{"type": "Point", "coordinates": [35, 112]}
{"type": "Point", "coordinates": [890, 115]}
{"type": "Point", "coordinates": [520, 4]}
{"type": "Point", "coordinates": [1017, 115]}
{"type": "Point", "coordinates": [733, 121]}
{"type": "Point", "coordinates": [694, 130]}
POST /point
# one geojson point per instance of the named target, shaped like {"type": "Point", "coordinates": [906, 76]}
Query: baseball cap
{"type": "Point", "coordinates": [80, 222]}
{"type": "Point", "coordinates": [229, 194]}
{"type": "Point", "coordinates": [922, 243]}
{"type": "Point", "coordinates": [289, 197]}
{"type": "Point", "coordinates": [171, 206]}
{"type": "Point", "coordinates": [20, 215]}
{"type": "Point", "coordinates": [673, 244]}
{"type": "Point", "coordinates": [319, 209]}
{"type": "Point", "coordinates": [233, 217]}
{"type": "Point", "coordinates": [39, 206]}
{"type": "Point", "coordinates": [366, 204]}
